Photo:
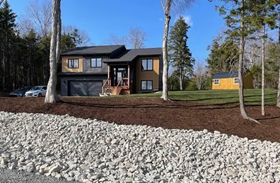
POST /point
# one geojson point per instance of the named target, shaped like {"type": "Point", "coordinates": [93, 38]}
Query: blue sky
{"type": "Point", "coordinates": [101, 19]}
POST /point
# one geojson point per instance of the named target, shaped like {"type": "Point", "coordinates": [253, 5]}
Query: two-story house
{"type": "Point", "coordinates": [94, 70]}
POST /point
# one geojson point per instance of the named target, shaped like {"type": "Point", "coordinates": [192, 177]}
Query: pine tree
{"type": "Point", "coordinates": [263, 15]}
{"type": "Point", "coordinates": [223, 56]}
{"type": "Point", "coordinates": [238, 16]}
{"type": "Point", "coordinates": [181, 56]}
{"type": "Point", "coordinates": [7, 34]}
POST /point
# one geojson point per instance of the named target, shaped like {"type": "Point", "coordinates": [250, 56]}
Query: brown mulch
{"type": "Point", "coordinates": [157, 113]}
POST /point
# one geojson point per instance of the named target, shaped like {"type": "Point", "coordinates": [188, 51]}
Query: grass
{"type": "Point", "coordinates": [252, 96]}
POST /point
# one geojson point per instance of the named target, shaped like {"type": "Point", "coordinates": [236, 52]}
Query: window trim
{"type": "Point", "coordinates": [146, 85]}
{"type": "Point", "coordinates": [95, 59]}
{"type": "Point", "coordinates": [146, 59]}
{"type": "Point", "coordinates": [73, 59]}
{"type": "Point", "coordinates": [236, 79]}
{"type": "Point", "coordinates": [214, 81]}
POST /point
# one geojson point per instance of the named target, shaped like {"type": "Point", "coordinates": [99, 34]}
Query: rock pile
{"type": "Point", "coordinates": [89, 150]}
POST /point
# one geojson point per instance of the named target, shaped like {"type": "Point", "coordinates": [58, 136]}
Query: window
{"type": "Point", "coordinates": [73, 63]}
{"type": "Point", "coordinates": [216, 81]}
{"type": "Point", "coordinates": [96, 63]}
{"type": "Point", "coordinates": [236, 80]}
{"type": "Point", "coordinates": [147, 64]}
{"type": "Point", "coordinates": [147, 85]}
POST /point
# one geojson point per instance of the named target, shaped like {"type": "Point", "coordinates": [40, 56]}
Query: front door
{"type": "Point", "coordinates": [119, 74]}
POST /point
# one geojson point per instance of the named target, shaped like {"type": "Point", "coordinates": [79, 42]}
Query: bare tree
{"type": "Point", "coordinates": [178, 5]}
{"type": "Point", "coordinates": [41, 16]}
{"type": "Point", "coordinates": [117, 40]}
{"type": "Point", "coordinates": [167, 17]}
{"type": "Point", "coordinates": [25, 25]}
{"type": "Point", "coordinates": [51, 96]}
{"type": "Point", "coordinates": [263, 60]}
{"type": "Point", "coordinates": [136, 38]}
{"type": "Point", "coordinates": [200, 76]}
{"type": "Point", "coordinates": [278, 94]}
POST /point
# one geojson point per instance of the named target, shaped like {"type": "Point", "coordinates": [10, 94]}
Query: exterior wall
{"type": "Point", "coordinates": [225, 84]}
{"type": "Point", "coordinates": [65, 64]}
{"type": "Point", "coordinates": [88, 69]}
{"type": "Point", "coordinates": [153, 75]}
{"type": "Point", "coordinates": [228, 83]}
{"type": "Point", "coordinates": [84, 65]}
{"type": "Point", "coordinates": [65, 80]}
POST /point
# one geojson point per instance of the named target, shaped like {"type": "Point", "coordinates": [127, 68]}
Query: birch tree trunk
{"type": "Point", "coordinates": [167, 8]}
{"type": "Point", "coordinates": [263, 60]}
{"type": "Point", "coordinates": [51, 95]}
{"type": "Point", "coordinates": [58, 41]}
{"type": "Point", "coordinates": [278, 94]}
{"type": "Point", "coordinates": [240, 70]}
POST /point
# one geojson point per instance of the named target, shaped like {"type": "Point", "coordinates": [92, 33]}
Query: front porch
{"type": "Point", "coordinates": [119, 80]}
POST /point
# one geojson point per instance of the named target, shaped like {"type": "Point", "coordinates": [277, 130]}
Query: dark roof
{"type": "Point", "coordinates": [231, 74]}
{"type": "Point", "coordinates": [62, 74]}
{"type": "Point", "coordinates": [130, 55]}
{"type": "Point", "coordinates": [93, 50]}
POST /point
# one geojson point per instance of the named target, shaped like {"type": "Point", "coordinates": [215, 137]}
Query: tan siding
{"type": "Point", "coordinates": [148, 75]}
{"type": "Point", "coordinates": [65, 64]}
{"type": "Point", "coordinates": [225, 84]}
{"type": "Point", "coordinates": [228, 83]}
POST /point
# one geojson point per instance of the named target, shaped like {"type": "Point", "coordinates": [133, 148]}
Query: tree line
{"type": "Point", "coordinates": [244, 19]}
{"type": "Point", "coordinates": [24, 54]}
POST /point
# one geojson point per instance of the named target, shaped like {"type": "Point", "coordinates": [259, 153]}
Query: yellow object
{"type": "Point", "coordinates": [231, 83]}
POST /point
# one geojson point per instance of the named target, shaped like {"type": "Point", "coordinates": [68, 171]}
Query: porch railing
{"type": "Point", "coordinates": [106, 86]}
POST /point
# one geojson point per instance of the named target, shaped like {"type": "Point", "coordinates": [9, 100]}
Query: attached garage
{"type": "Point", "coordinates": [81, 84]}
{"type": "Point", "coordinates": [85, 88]}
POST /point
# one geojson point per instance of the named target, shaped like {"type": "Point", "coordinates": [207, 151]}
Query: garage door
{"type": "Point", "coordinates": [85, 88]}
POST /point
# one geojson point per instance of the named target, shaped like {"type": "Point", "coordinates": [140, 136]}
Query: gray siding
{"type": "Point", "coordinates": [66, 80]}
{"type": "Point", "coordinates": [88, 69]}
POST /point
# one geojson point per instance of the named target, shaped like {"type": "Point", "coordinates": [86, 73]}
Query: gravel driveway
{"type": "Point", "coordinates": [91, 150]}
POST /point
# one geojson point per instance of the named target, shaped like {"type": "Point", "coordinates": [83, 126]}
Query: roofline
{"type": "Point", "coordinates": [120, 61]}
{"type": "Point", "coordinates": [86, 47]}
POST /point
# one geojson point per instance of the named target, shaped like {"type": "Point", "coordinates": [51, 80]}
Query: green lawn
{"type": "Point", "coordinates": [252, 96]}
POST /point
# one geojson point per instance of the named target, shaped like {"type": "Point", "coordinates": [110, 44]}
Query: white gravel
{"type": "Point", "coordinates": [91, 150]}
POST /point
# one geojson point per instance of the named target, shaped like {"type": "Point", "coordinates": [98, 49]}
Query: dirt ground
{"type": "Point", "coordinates": [157, 113]}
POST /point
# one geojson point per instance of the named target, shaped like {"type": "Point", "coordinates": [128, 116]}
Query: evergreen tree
{"type": "Point", "coordinates": [238, 16]}
{"type": "Point", "coordinates": [223, 56]}
{"type": "Point", "coordinates": [181, 56]}
{"type": "Point", "coordinates": [7, 35]}
{"type": "Point", "coordinates": [263, 16]}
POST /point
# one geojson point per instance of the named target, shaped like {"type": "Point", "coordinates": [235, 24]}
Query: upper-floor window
{"type": "Point", "coordinates": [73, 63]}
{"type": "Point", "coordinates": [216, 81]}
{"type": "Point", "coordinates": [96, 63]}
{"type": "Point", "coordinates": [147, 64]}
{"type": "Point", "coordinates": [236, 80]}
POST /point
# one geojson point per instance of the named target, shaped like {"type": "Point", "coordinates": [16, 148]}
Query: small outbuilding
{"type": "Point", "coordinates": [230, 81]}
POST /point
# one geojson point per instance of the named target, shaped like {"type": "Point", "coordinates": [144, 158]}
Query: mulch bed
{"type": "Point", "coordinates": [157, 113]}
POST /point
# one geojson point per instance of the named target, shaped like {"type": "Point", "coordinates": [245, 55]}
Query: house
{"type": "Point", "coordinates": [112, 70]}
{"type": "Point", "coordinates": [230, 81]}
